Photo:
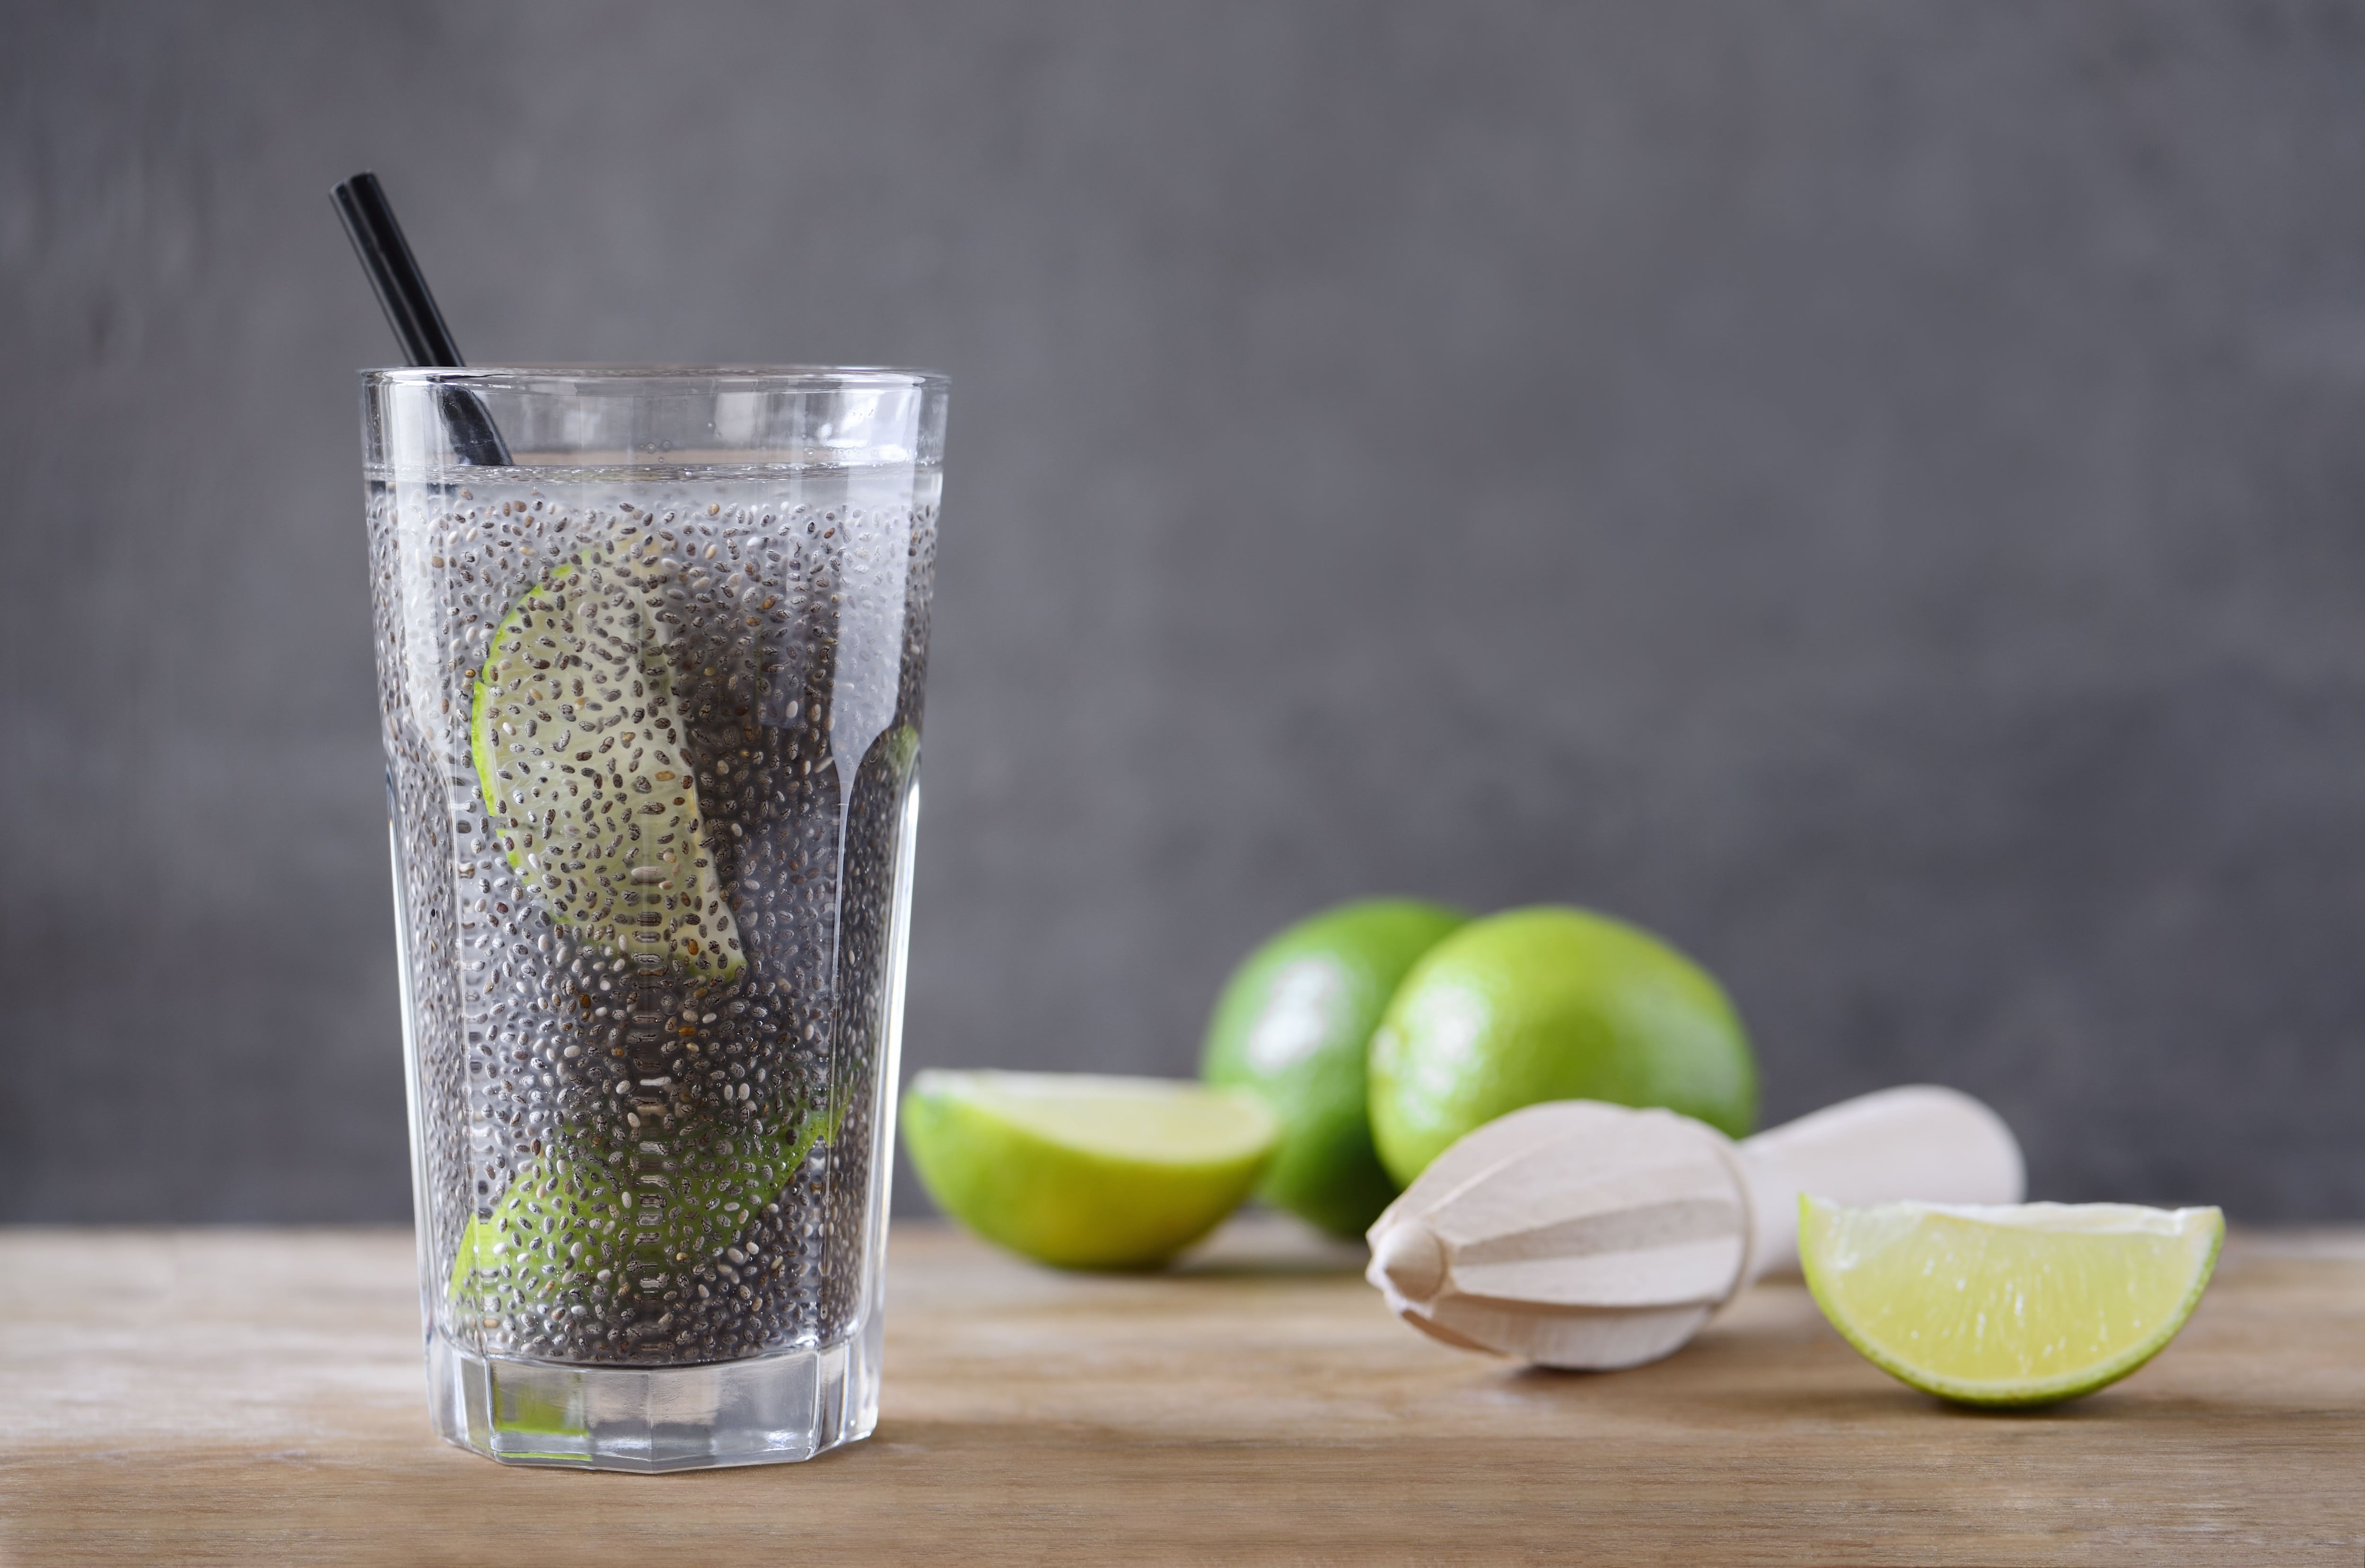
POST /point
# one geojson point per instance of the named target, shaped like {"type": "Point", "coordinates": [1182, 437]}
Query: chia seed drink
{"type": "Point", "coordinates": [652, 702]}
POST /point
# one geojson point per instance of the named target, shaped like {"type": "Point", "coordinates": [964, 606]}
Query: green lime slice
{"type": "Point", "coordinates": [564, 1218]}
{"type": "Point", "coordinates": [2027, 1304]}
{"type": "Point", "coordinates": [556, 1222]}
{"type": "Point", "coordinates": [580, 752]}
{"type": "Point", "coordinates": [1085, 1172]}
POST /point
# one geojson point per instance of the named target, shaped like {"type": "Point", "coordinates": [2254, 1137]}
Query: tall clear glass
{"type": "Point", "coordinates": [650, 650]}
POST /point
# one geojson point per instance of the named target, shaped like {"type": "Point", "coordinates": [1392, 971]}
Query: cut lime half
{"type": "Point", "coordinates": [1081, 1170]}
{"type": "Point", "coordinates": [2025, 1304]}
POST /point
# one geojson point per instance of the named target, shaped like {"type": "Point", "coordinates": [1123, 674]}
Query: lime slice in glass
{"type": "Point", "coordinates": [1085, 1172]}
{"type": "Point", "coordinates": [568, 1216]}
{"type": "Point", "coordinates": [2025, 1304]}
{"type": "Point", "coordinates": [584, 761]}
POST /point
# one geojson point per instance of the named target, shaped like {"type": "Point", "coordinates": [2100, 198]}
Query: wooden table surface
{"type": "Point", "coordinates": [247, 1397]}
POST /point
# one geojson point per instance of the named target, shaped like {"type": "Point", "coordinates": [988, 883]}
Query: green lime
{"type": "Point", "coordinates": [2027, 1304]}
{"type": "Point", "coordinates": [1552, 1003]}
{"type": "Point", "coordinates": [1295, 1025]}
{"type": "Point", "coordinates": [1084, 1172]}
{"type": "Point", "coordinates": [555, 1224]}
{"type": "Point", "coordinates": [566, 1216]}
{"type": "Point", "coordinates": [580, 750]}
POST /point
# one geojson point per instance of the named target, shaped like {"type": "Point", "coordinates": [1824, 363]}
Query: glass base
{"type": "Point", "coordinates": [765, 1410]}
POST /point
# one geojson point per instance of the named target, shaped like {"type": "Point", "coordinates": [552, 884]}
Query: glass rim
{"type": "Point", "coordinates": [737, 377]}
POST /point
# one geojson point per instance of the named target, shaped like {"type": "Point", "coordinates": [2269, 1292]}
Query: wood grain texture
{"type": "Point", "coordinates": [256, 1396]}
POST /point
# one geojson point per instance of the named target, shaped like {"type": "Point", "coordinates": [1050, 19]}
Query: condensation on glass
{"type": "Point", "coordinates": [652, 702]}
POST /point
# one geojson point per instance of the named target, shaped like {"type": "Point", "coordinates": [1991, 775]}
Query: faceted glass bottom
{"type": "Point", "coordinates": [764, 1410]}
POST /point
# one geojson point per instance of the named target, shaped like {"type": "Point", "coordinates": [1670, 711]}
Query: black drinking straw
{"type": "Point", "coordinates": [410, 311]}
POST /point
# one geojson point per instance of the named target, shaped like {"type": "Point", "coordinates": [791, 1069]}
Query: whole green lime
{"type": "Point", "coordinates": [1552, 1003]}
{"type": "Point", "coordinates": [1295, 1025]}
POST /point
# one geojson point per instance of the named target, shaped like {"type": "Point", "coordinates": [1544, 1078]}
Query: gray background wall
{"type": "Point", "coordinates": [1872, 490]}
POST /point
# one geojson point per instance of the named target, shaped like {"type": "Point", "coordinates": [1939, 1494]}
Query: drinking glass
{"type": "Point", "coordinates": [650, 649]}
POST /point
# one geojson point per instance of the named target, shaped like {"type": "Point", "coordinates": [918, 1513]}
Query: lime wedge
{"type": "Point", "coordinates": [555, 1226]}
{"type": "Point", "coordinates": [1085, 1172]}
{"type": "Point", "coordinates": [581, 753]}
{"type": "Point", "coordinates": [2025, 1304]}
{"type": "Point", "coordinates": [565, 1217]}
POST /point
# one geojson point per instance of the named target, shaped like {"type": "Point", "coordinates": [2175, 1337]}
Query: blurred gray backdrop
{"type": "Point", "coordinates": [1875, 491]}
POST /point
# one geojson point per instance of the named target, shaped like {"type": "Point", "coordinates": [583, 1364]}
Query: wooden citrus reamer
{"type": "Point", "coordinates": [1583, 1234]}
